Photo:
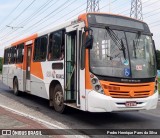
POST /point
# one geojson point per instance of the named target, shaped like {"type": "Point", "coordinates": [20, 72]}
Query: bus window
{"type": "Point", "coordinates": [13, 55]}
{"type": "Point", "coordinates": [20, 49]}
{"type": "Point", "coordinates": [56, 46]}
{"type": "Point", "coordinates": [40, 49]}
{"type": "Point", "coordinates": [6, 56]}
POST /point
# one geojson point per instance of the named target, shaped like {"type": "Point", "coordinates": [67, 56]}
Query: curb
{"type": "Point", "coordinates": [47, 124]}
{"type": "Point", "coordinates": [50, 125]}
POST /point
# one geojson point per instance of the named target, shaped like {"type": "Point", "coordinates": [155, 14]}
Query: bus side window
{"type": "Point", "coordinates": [9, 56]}
{"type": "Point", "coordinates": [40, 48]}
{"type": "Point", "coordinates": [56, 46]}
{"type": "Point", "coordinates": [6, 56]}
{"type": "Point", "coordinates": [13, 55]}
{"type": "Point", "coordinates": [50, 47]}
{"type": "Point", "coordinates": [20, 53]}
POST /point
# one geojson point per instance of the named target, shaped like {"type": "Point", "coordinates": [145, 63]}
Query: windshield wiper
{"type": "Point", "coordinates": [119, 43]}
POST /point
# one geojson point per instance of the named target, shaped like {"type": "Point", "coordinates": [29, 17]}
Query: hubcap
{"type": "Point", "coordinates": [59, 98]}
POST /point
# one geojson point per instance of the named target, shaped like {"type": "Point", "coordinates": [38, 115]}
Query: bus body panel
{"type": "Point", "coordinates": [5, 74]}
{"type": "Point", "coordinates": [101, 103]}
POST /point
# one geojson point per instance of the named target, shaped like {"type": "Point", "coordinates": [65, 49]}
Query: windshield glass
{"type": "Point", "coordinates": [106, 57]}
{"type": "Point", "coordinates": [142, 55]}
{"type": "Point", "coordinates": [136, 60]}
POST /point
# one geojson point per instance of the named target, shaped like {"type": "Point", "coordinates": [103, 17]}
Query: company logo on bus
{"type": "Point", "coordinates": [127, 80]}
{"type": "Point", "coordinates": [132, 93]}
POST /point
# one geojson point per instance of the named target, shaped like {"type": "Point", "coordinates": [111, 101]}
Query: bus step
{"type": "Point", "coordinates": [73, 105]}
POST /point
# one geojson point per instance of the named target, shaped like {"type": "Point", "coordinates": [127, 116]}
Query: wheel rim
{"type": "Point", "coordinates": [59, 98]}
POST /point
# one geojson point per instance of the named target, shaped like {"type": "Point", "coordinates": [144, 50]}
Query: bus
{"type": "Point", "coordinates": [97, 62]}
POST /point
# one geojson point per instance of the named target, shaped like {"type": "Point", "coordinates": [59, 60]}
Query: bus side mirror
{"type": "Point", "coordinates": [89, 42]}
{"type": "Point", "coordinates": [89, 38]}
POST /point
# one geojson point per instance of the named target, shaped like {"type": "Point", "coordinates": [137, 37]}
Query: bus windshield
{"type": "Point", "coordinates": [107, 59]}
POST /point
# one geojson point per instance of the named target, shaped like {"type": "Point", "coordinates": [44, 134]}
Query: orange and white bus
{"type": "Point", "coordinates": [98, 63]}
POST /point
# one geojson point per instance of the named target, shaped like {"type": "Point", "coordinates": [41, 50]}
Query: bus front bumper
{"type": "Point", "coordinates": [101, 103]}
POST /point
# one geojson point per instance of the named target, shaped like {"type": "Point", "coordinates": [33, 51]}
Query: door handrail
{"type": "Point", "coordinates": [70, 77]}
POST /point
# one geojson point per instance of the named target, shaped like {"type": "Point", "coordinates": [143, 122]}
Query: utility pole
{"type": "Point", "coordinates": [92, 6]}
{"type": "Point", "coordinates": [136, 9]}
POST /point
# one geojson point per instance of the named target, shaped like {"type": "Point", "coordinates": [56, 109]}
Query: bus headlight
{"type": "Point", "coordinates": [94, 81]}
{"type": "Point", "coordinates": [96, 84]}
{"type": "Point", "coordinates": [97, 87]}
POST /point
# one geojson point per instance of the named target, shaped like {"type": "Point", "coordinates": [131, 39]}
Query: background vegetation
{"type": "Point", "coordinates": [158, 66]}
{"type": "Point", "coordinates": [1, 59]}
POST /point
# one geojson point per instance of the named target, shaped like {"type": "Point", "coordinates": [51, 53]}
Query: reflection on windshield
{"type": "Point", "coordinates": [142, 56]}
{"type": "Point", "coordinates": [107, 59]}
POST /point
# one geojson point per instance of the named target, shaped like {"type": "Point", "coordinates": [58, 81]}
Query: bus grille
{"type": "Point", "coordinates": [129, 94]}
{"type": "Point", "coordinates": [128, 91]}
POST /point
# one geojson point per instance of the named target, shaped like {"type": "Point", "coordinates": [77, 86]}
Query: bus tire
{"type": "Point", "coordinates": [58, 99]}
{"type": "Point", "coordinates": [15, 87]}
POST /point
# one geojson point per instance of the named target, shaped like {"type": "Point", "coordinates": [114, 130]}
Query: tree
{"type": "Point", "coordinates": [1, 59]}
{"type": "Point", "coordinates": [158, 59]}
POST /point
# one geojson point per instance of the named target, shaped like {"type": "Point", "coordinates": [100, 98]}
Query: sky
{"type": "Point", "coordinates": [21, 18]}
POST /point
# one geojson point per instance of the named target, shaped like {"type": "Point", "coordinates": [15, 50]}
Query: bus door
{"type": "Point", "coordinates": [72, 64]}
{"type": "Point", "coordinates": [28, 68]}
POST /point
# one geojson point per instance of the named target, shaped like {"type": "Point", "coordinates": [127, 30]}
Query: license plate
{"type": "Point", "coordinates": [131, 104]}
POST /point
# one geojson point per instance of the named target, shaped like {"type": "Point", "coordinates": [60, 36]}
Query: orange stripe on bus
{"type": "Point", "coordinates": [88, 85]}
{"type": "Point", "coordinates": [36, 70]}
{"type": "Point", "coordinates": [25, 40]}
{"type": "Point", "coordinates": [88, 81]}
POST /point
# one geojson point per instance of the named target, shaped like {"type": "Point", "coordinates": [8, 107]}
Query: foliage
{"type": "Point", "coordinates": [1, 59]}
{"type": "Point", "coordinates": [158, 59]}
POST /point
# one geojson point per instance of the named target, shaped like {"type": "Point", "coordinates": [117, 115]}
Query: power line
{"type": "Point", "coordinates": [39, 10]}
{"type": "Point", "coordinates": [118, 7]}
{"type": "Point", "coordinates": [11, 13]}
{"type": "Point", "coordinates": [22, 12]}
{"type": "Point", "coordinates": [66, 15]}
{"type": "Point", "coordinates": [44, 17]}
{"type": "Point", "coordinates": [53, 15]}
{"type": "Point", "coordinates": [143, 6]}
{"type": "Point", "coordinates": [108, 4]}
{"type": "Point", "coordinates": [27, 20]}
{"type": "Point", "coordinates": [154, 22]}
{"type": "Point", "coordinates": [46, 25]}
{"type": "Point", "coordinates": [151, 11]}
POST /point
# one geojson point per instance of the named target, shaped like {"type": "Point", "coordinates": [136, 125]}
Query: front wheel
{"type": "Point", "coordinates": [15, 87]}
{"type": "Point", "coordinates": [58, 99]}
